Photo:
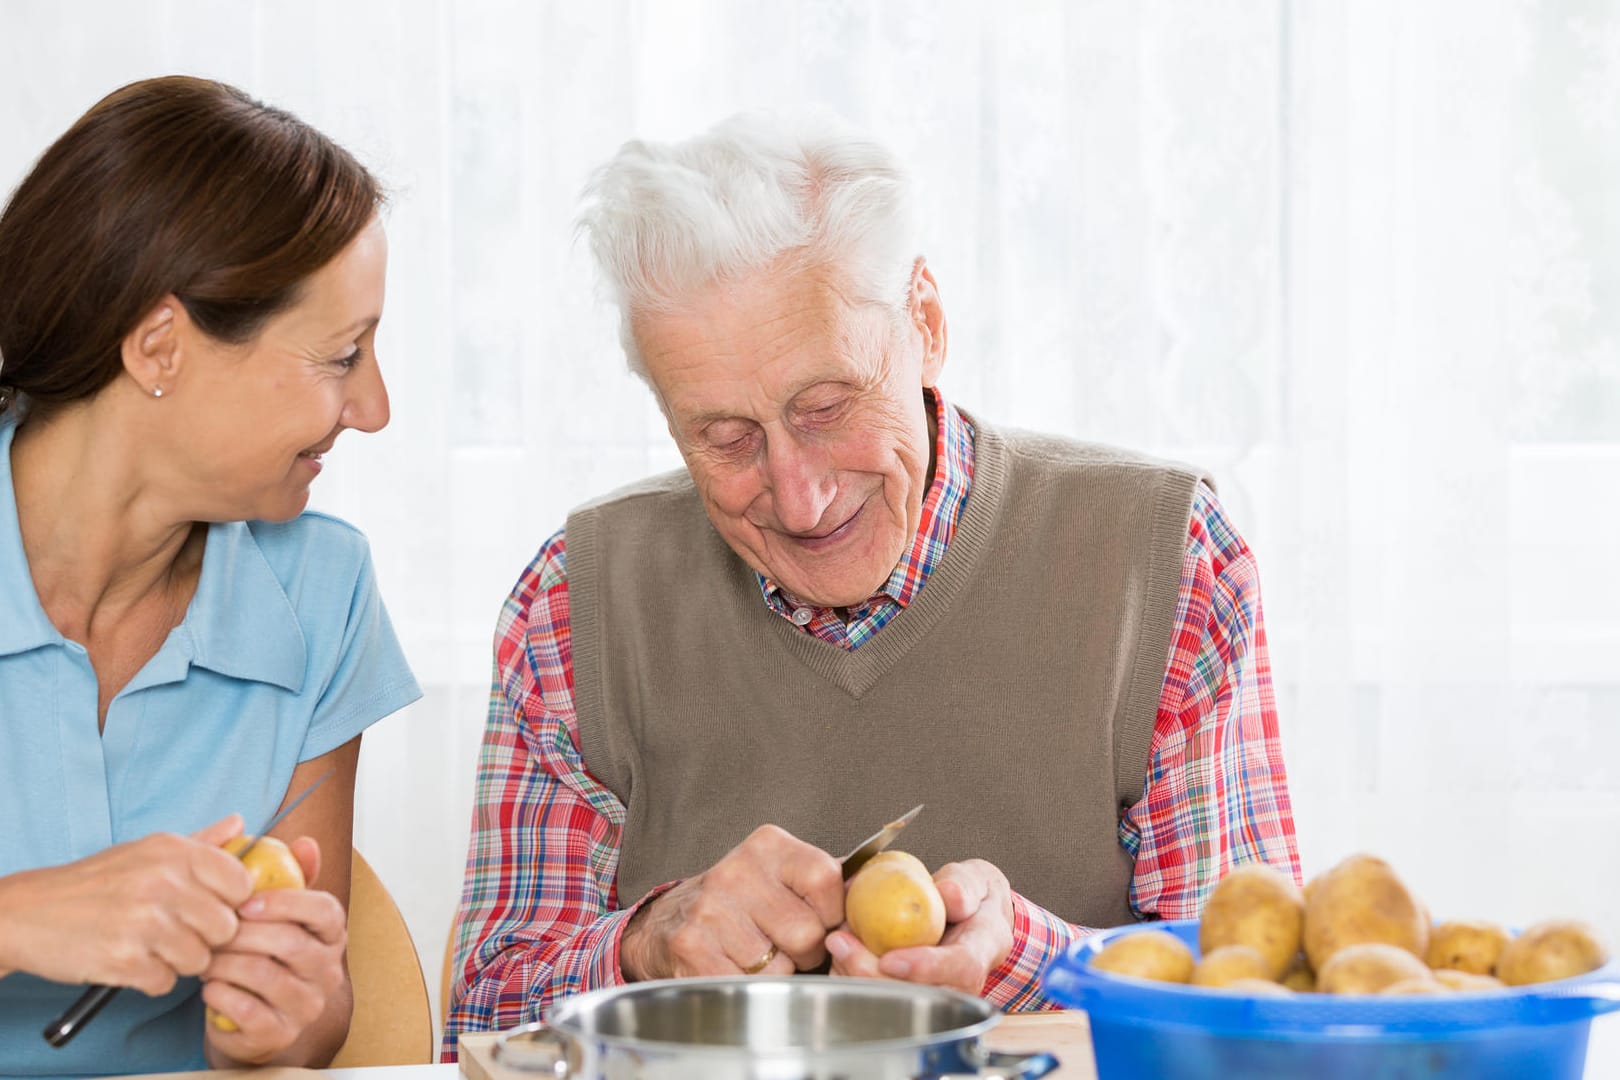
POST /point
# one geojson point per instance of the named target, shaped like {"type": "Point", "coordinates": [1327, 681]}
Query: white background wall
{"type": "Point", "coordinates": [1361, 259]}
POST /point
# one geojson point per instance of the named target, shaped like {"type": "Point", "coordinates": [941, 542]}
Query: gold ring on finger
{"type": "Point", "coordinates": [762, 963]}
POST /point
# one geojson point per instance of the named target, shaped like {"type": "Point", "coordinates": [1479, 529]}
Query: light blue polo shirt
{"type": "Point", "coordinates": [284, 654]}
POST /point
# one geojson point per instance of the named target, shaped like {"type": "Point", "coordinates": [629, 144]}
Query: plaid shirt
{"type": "Point", "coordinates": [540, 916]}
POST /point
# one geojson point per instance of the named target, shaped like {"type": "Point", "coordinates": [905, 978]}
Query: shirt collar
{"type": "Point", "coordinates": [240, 622]}
{"type": "Point", "coordinates": [942, 506]}
{"type": "Point", "coordinates": [23, 623]}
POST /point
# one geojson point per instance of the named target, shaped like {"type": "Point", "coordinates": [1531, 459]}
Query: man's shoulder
{"type": "Point", "coordinates": [1063, 454]}
{"type": "Point", "coordinates": [673, 485]}
{"type": "Point", "coordinates": [548, 570]}
{"type": "Point", "coordinates": [654, 520]}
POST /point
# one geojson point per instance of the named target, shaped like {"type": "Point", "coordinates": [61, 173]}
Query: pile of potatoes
{"type": "Point", "coordinates": [1356, 929]}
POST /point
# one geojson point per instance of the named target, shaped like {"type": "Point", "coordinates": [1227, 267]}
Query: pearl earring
{"type": "Point", "coordinates": [157, 391]}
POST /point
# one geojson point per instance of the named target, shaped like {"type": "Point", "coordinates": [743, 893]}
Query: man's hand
{"type": "Point", "coordinates": [978, 935]}
{"type": "Point", "coordinates": [772, 898]}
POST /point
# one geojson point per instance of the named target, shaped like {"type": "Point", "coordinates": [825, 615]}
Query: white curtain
{"type": "Point", "coordinates": [1362, 259]}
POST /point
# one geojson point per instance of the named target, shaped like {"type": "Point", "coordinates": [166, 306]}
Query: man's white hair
{"type": "Point", "coordinates": [800, 192]}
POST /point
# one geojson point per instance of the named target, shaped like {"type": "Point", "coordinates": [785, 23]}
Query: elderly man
{"type": "Point", "coordinates": [854, 598]}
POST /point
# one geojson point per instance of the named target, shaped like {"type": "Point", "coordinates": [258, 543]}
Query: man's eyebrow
{"type": "Point", "coordinates": [698, 420]}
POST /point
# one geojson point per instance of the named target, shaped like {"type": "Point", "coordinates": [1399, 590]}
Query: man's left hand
{"type": "Point", "coordinates": [978, 935]}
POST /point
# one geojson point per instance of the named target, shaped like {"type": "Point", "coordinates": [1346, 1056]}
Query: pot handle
{"type": "Point", "coordinates": [534, 1049]}
{"type": "Point", "coordinates": [998, 1066]}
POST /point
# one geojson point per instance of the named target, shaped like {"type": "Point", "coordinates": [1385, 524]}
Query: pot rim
{"type": "Point", "coordinates": [558, 1018]}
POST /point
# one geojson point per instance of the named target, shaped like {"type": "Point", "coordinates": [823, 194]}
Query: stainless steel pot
{"type": "Point", "coordinates": [801, 1028]}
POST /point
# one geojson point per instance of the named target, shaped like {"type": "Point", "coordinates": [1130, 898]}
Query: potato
{"type": "Point", "coordinates": [1452, 979]}
{"type": "Point", "coordinates": [1299, 977]}
{"type": "Point", "coordinates": [1555, 949]}
{"type": "Point", "coordinates": [1258, 906]}
{"type": "Point", "coordinates": [1230, 963]}
{"type": "Point", "coordinates": [1362, 901]}
{"type": "Point", "coordinates": [892, 903]}
{"type": "Point", "coordinates": [1149, 954]}
{"type": "Point", "coordinates": [1463, 945]}
{"type": "Point", "coordinates": [1257, 988]}
{"type": "Point", "coordinates": [1368, 968]}
{"type": "Point", "coordinates": [272, 865]}
{"type": "Point", "coordinates": [1424, 984]}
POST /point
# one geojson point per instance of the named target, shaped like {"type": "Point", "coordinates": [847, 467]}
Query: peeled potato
{"type": "Point", "coordinates": [1463, 945]}
{"type": "Point", "coordinates": [1452, 979]}
{"type": "Point", "coordinates": [1368, 968]}
{"type": "Point", "coordinates": [1150, 954]}
{"type": "Point", "coordinates": [1362, 901]}
{"type": "Point", "coordinates": [1556, 949]}
{"type": "Point", "coordinates": [1258, 906]}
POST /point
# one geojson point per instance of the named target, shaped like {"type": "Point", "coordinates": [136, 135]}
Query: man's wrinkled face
{"type": "Point", "coordinates": [803, 423]}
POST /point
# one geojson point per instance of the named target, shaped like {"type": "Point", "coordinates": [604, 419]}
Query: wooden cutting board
{"type": "Point", "coordinates": [1064, 1034]}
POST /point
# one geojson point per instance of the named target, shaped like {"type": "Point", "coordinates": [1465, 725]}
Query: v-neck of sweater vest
{"type": "Point", "coordinates": [856, 671]}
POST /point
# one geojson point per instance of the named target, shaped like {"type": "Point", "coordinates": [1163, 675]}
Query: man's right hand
{"type": "Point", "coordinates": [138, 914]}
{"type": "Point", "coordinates": [771, 897]}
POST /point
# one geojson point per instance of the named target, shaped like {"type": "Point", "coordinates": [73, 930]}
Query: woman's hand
{"type": "Point", "coordinates": [277, 976]}
{"type": "Point", "coordinates": [139, 914]}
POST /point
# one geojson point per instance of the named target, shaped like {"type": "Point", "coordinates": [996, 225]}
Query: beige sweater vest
{"type": "Point", "coordinates": [1015, 696]}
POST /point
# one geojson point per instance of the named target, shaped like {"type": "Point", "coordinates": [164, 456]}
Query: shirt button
{"type": "Point", "coordinates": [801, 616]}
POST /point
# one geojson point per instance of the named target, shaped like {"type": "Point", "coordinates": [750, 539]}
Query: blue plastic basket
{"type": "Point", "coordinates": [1141, 1028]}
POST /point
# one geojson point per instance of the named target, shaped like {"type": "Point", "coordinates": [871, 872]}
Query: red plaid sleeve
{"type": "Point", "coordinates": [1216, 793]}
{"type": "Point", "coordinates": [537, 918]}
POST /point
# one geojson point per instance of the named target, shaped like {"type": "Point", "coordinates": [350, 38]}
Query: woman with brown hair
{"type": "Point", "coordinates": [190, 285]}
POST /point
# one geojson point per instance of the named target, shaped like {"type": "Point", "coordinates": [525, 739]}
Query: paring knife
{"type": "Point", "coordinates": [877, 842]}
{"type": "Point", "coordinates": [60, 1032]}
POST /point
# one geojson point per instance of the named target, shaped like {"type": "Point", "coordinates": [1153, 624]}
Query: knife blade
{"type": "Point", "coordinates": [60, 1032]}
{"type": "Point", "coordinates": [877, 842]}
{"type": "Point", "coordinates": [281, 814]}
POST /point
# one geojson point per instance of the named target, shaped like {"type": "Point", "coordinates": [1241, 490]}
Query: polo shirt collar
{"type": "Point", "coordinates": [240, 622]}
{"type": "Point", "coordinates": [23, 623]}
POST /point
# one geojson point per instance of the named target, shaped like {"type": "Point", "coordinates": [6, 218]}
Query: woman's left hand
{"type": "Point", "coordinates": [279, 974]}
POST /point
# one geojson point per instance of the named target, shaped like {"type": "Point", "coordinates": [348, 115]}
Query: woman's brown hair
{"type": "Point", "coordinates": [173, 185]}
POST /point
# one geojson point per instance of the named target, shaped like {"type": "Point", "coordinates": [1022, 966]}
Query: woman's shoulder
{"type": "Point", "coordinates": [311, 528]}
{"type": "Point", "coordinates": [313, 547]}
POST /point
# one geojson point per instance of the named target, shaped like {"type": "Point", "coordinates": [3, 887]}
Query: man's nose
{"type": "Point", "coordinates": [803, 483]}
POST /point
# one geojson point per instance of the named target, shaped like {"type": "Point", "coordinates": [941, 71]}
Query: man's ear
{"type": "Point", "coordinates": [152, 351]}
{"type": "Point", "coordinates": [928, 316]}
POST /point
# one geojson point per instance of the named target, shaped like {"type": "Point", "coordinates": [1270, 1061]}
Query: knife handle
{"type": "Point", "coordinates": [60, 1032]}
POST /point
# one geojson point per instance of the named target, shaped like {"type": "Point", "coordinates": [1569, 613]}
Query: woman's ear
{"type": "Point", "coordinates": [151, 351]}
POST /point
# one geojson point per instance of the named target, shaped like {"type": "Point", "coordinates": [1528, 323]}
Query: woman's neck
{"type": "Point", "coordinates": [100, 540]}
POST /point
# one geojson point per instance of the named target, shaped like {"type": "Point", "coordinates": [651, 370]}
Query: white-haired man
{"type": "Point", "coordinates": [854, 598]}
